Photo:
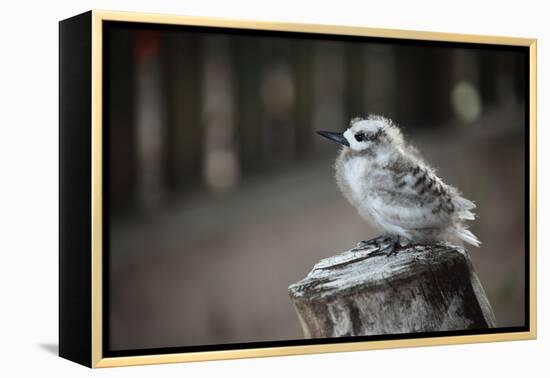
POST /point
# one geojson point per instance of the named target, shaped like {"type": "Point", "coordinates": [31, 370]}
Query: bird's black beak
{"type": "Point", "coordinates": [336, 137]}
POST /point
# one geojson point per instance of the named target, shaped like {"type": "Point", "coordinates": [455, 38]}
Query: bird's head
{"type": "Point", "coordinates": [365, 134]}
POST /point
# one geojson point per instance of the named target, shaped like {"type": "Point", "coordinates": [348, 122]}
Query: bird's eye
{"type": "Point", "coordinates": [360, 137]}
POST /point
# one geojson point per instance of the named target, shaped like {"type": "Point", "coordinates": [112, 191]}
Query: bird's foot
{"type": "Point", "coordinates": [377, 242]}
{"type": "Point", "coordinates": [388, 245]}
{"type": "Point", "coordinates": [392, 248]}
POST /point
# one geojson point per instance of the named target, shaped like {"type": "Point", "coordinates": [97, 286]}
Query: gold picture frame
{"type": "Point", "coordinates": [96, 357]}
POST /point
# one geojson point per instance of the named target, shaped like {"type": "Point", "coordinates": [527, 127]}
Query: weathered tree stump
{"type": "Point", "coordinates": [421, 289]}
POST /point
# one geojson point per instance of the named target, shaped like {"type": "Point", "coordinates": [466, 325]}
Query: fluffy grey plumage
{"type": "Point", "coordinates": [394, 189]}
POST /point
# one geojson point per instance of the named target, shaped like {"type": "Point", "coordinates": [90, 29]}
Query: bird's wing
{"type": "Point", "coordinates": [412, 198]}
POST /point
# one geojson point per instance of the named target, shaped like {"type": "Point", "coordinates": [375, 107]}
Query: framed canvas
{"type": "Point", "coordinates": [234, 189]}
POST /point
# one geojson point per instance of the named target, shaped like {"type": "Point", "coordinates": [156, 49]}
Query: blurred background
{"type": "Point", "coordinates": [221, 194]}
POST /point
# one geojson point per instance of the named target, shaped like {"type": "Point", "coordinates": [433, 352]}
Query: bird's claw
{"type": "Point", "coordinates": [392, 248]}
{"type": "Point", "coordinates": [366, 244]}
{"type": "Point", "coordinates": [385, 245]}
{"type": "Point", "coordinates": [378, 241]}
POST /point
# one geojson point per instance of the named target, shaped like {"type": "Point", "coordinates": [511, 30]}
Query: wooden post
{"type": "Point", "coordinates": [249, 113]}
{"type": "Point", "coordinates": [421, 289]}
{"type": "Point", "coordinates": [355, 80]}
{"type": "Point", "coordinates": [303, 68]}
{"type": "Point", "coordinates": [119, 93]}
{"type": "Point", "coordinates": [183, 59]}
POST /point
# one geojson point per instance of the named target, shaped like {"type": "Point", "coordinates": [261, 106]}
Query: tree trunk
{"type": "Point", "coordinates": [362, 292]}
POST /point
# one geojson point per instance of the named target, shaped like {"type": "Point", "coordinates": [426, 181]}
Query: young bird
{"type": "Point", "coordinates": [392, 187]}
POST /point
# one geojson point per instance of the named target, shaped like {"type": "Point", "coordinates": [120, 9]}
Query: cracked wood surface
{"type": "Point", "coordinates": [426, 288]}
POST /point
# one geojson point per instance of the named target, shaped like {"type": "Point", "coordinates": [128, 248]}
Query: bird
{"type": "Point", "coordinates": [395, 190]}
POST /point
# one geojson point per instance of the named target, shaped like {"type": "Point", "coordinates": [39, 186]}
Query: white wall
{"type": "Point", "coordinates": [28, 197]}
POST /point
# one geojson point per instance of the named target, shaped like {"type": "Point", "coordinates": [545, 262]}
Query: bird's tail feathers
{"type": "Point", "coordinates": [466, 215]}
{"type": "Point", "coordinates": [464, 204]}
{"type": "Point", "coordinates": [463, 207]}
{"type": "Point", "coordinates": [468, 237]}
